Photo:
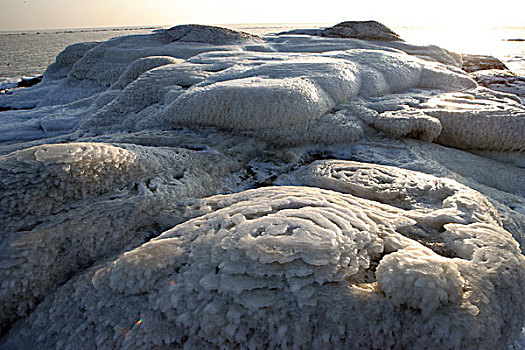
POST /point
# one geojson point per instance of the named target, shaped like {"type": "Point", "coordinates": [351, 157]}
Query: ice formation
{"type": "Point", "coordinates": [64, 206]}
{"type": "Point", "coordinates": [294, 266]}
{"type": "Point", "coordinates": [131, 214]}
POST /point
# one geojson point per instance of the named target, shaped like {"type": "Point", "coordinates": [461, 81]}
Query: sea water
{"type": "Point", "coordinates": [27, 54]}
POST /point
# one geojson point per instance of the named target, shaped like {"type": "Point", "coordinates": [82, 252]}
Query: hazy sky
{"type": "Point", "coordinates": [52, 14]}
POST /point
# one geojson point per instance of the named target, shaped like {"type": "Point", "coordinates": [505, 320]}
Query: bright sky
{"type": "Point", "coordinates": [54, 14]}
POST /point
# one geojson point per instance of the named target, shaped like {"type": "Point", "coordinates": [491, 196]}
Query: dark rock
{"type": "Point", "coordinates": [207, 34]}
{"type": "Point", "coordinates": [28, 82]}
{"type": "Point", "coordinates": [312, 32]}
{"type": "Point", "coordinates": [473, 63]}
{"type": "Point", "coordinates": [364, 30]}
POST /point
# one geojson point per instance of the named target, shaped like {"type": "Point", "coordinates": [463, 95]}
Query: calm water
{"type": "Point", "coordinates": [29, 53]}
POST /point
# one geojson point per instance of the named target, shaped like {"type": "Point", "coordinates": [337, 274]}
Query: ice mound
{"type": "Point", "coordinates": [501, 80]}
{"type": "Point", "coordinates": [292, 266]}
{"type": "Point", "coordinates": [280, 101]}
{"type": "Point", "coordinates": [140, 66]}
{"type": "Point", "coordinates": [64, 206]}
{"type": "Point", "coordinates": [480, 120]}
{"type": "Point", "coordinates": [65, 61]}
{"type": "Point", "coordinates": [253, 104]}
{"type": "Point", "coordinates": [414, 277]}
{"type": "Point", "coordinates": [138, 82]}
{"type": "Point", "coordinates": [365, 30]}
{"type": "Point", "coordinates": [55, 174]}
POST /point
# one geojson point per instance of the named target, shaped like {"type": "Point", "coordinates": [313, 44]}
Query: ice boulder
{"type": "Point", "coordinates": [293, 266]}
{"type": "Point", "coordinates": [254, 104]}
{"type": "Point", "coordinates": [479, 120]}
{"type": "Point", "coordinates": [65, 61]}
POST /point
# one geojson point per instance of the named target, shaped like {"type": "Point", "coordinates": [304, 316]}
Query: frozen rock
{"type": "Point", "coordinates": [403, 124]}
{"type": "Point", "coordinates": [178, 42]}
{"type": "Point", "coordinates": [253, 104]}
{"type": "Point", "coordinates": [293, 265]}
{"type": "Point", "coordinates": [503, 185]}
{"type": "Point", "coordinates": [140, 66]}
{"type": "Point", "coordinates": [421, 193]}
{"type": "Point", "coordinates": [28, 82]}
{"type": "Point", "coordinates": [366, 30]}
{"type": "Point", "coordinates": [479, 120]}
{"type": "Point", "coordinates": [64, 206]}
{"type": "Point", "coordinates": [313, 32]}
{"type": "Point", "coordinates": [282, 101]}
{"type": "Point", "coordinates": [501, 80]}
{"type": "Point", "coordinates": [473, 63]}
{"type": "Point", "coordinates": [65, 61]}
{"type": "Point", "coordinates": [207, 34]}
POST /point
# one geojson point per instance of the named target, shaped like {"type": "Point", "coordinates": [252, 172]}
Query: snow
{"type": "Point", "coordinates": [200, 187]}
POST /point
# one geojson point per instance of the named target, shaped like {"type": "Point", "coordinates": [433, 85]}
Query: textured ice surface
{"type": "Point", "coordinates": [442, 200]}
{"type": "Point", "coordinates": [384, 233]}
{"type": "Point", "coordinates": [294, 266]}
{"type": "Point", "coordinates": [501, 80]}
{"type": "Point", "coordinates": [64, 206]}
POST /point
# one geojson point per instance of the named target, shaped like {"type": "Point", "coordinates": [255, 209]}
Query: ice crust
{"type": "Point", "coordinates": [287, 266]}
{"type": "Point", "coordinates": [64, 206]}
{"type": "Point", "coordinates": [390, 213]}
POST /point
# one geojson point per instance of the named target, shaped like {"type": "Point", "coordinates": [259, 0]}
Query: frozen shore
{"type": "Point", "coordinates": [206, 188]}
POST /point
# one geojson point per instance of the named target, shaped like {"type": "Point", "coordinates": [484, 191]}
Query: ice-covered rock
{"type": "Point", "coordinates": [480, 120]}
{"type": "Point", "coordinates": [197, 33]}
{"type": "Point", "coordinates": [297, 91]}
{"type": "Point", "coordinates": [64, 206]}
{"type": "Point", "coordinates": [293, 266]}
{"type": "Point", "coordinates": [473, 63]}
{"type": "Point", "coordinates": [476, 120]}
{"type": "Point", "coordinates": [65, 61]}
{"type": "Point", "coordinates": [501, 80]}
{"type": "Point", "coordinates": [140, 66]}
{"type": "Point", "coordinates": [421, 193]}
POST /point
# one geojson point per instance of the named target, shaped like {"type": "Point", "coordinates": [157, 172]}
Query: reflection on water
{"type": "Point", "coordinates": [28, 54]}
